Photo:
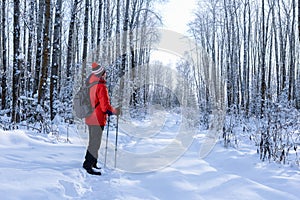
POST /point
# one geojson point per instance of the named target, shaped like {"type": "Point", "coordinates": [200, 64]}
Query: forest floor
{"type": "Point", "coordinates": [47, 166]}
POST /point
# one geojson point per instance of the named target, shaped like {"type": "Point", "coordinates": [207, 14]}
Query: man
{"type": "Point", "coordinates": [97, 120]}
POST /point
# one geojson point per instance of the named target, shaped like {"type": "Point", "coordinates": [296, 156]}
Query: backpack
{"type": "Point", "coordinates": [81, 103]}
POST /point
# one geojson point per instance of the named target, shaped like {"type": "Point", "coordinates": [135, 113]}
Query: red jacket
{"type": "Point", "coordinates": [99, 93]}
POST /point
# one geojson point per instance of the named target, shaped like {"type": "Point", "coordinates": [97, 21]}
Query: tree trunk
{"type": "Point", "coordinates": [298, 73]}
{"type": "Point", "coordinates": [16, 62]}
{"type": "Point", "coordinates": [39, 47]}
{"type": "Point", "coordinates": [46, 49]}
{"type": "Point", "coordinates": [292, 67]}
{"type": "Point", "coordinates": [262, 59]}
{"type": "Point", "coordinates": [248, 58]}
{"type": "Point", "coordinates": [70, 48]}
{"type": "Point", "coordinates": [55, 60]}
{"type": "Point", "coordinates": [299, 19]}
{"type": "Point", "coordinates": [30, 47]}
{"type": "Point", "coordinates": [118, 42]}
{"type": "Point", "coordinates": [236, 56]}
{"type": "Point", "coordinates": [93, 29]}
{"type": "Point", "coordinates": [132, 52]}
{"type": "Point", "coordinates": [23, 89]}
{"type": "Point", "coordinates": [100, 10]}
{"type": "Point", "coordinates": [85, 41]}
{"type": "Point", "coordinates": [4, 61]}
{"type": "Point", "coordinates": [124, 50]}
{"type": "Point", "coordinates": [244, 82]}
{"type": "Point", "coordinates": [277, 68]}
{"type": "Point", "coordinates": [282, 44]}
{"type": "Point", "coordinates": [228, 49]}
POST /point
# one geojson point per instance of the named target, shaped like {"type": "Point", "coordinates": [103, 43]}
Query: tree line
{"type": "Point", "coordinates": [247, 53]}
{"type": "Point", "coordinates": [45, 44]}
{"type": "Point", "coordinates": [254, 48]}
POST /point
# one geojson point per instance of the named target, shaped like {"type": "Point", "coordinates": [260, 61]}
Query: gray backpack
{"type": "Point", "coordinates": [81, 103]}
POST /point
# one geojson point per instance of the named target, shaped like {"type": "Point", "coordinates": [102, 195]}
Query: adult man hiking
{"type": "Point", "coordinates": [96, 121]}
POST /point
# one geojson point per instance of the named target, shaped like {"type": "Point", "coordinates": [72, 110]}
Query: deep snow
{"type": "Point", "coordinates": [47, 166]}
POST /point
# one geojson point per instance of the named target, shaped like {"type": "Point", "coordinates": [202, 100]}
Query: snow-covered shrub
{"type": "Point", "coordinates": [231, 123]}
{"type": "Point", "coordinates": [278, 134]}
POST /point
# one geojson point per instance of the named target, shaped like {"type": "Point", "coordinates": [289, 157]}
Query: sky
{"type": "Point", "coordinates": [177, 13]}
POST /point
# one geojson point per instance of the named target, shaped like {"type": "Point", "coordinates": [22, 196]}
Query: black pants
{"type": "Point", "coordinates": [95, 137]}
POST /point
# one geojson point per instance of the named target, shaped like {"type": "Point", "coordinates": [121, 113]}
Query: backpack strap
{"type": "Point", "coordinates": [91, 85]}
{"type": "Point", "coordinates": [87, 80]}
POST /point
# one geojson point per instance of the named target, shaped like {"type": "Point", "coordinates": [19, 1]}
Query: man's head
{"type": "Point", "coordinates": [97, 69]}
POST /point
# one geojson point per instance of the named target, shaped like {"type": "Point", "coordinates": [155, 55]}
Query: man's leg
{"type": "Point", "coordinates": [95, 136]}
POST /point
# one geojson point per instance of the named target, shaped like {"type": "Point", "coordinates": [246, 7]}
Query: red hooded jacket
{"type": "Point", "coordinates": [99, 95]}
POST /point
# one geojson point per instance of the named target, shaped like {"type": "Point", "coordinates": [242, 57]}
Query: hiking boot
{"type": "Point", "coordinates": [95, 166]}
{"type": "Point", "coordinates": [91, 171]}
{"type": "Point", "coordinates": [90, 162]}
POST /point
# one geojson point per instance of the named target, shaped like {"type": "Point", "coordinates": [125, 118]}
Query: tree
{"type": "Point", "coordinates": [46, 51]}
{"type": "Point", "coordinates": [4, 56]}
{"type": "Point", "coordinates": [124, 49]}
{"type": "Point", "coordinates": [264, 40]}
{"type": "Point", "coordinates": [30, 56]}
{"type": "Point", "coordinates": [70, 44]}
{"type": "Point", "coordinates": [282, 49]}
{"type": "Point", "coordinates": [41, 56]}
{"type": "Point", "coordinates": [85, 40]}
{"type": "Point", "coordinates": [98, 38]}
{"type": "Point", "coordinates": [292, 59]}
{"type": "Point", "coordinates": [39, 47]}
{"type": "Point", "coordinates": [299, 19]}
{"type": "Point", "coordinates": [259, 65]}
{"type": "Point", "coordinates": [54, 79]}
{"type": "Point", "coordinates": [298, 73]}
{"type": "Point", "coordinates": [16, 63]}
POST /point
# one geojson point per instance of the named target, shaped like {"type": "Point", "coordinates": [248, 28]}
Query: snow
{"type": "Point", "coordinates": [48, 166]}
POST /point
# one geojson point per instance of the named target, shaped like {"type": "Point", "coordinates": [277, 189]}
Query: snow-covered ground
{"type": "Point", "coordinates": [46, 166]}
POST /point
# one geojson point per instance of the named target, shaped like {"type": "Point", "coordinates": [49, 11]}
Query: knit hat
{"type": "Point", "coordinates": [97, 69]}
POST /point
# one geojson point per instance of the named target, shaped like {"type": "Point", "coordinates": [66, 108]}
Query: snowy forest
{"type": "Point", "coordinates": [254, 46]}
{"type": "Point", "coordinates": [246, 50]}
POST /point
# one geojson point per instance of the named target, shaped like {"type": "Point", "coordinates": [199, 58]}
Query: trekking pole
{"type": "Point", "coordinates": [106, 141]}
{"type": "Point", "coordinates": [116, 144]}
